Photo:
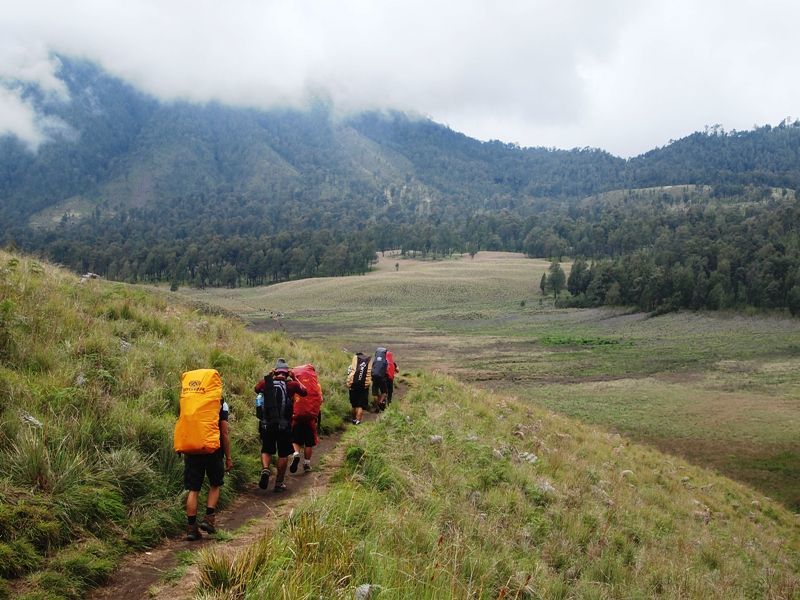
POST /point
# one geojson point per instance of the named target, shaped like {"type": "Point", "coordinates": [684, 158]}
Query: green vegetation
{"type": "Point", "coordinates": [717, 388]}
{"type": "Point", "coordinates": [456, 493]}
{"type": "Point", "coordinates": [89, 376]}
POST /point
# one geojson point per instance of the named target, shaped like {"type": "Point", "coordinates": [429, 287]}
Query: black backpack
{"type": "Point", "coordinates": [278, 406]}
{"type": "Point", "coordinates": [360, 375]}
{"type": "Point", "coordinates": [379, 365]}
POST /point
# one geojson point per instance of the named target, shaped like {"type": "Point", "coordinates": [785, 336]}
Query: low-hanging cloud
{"type": "Point", "coordinates": [624, 75]}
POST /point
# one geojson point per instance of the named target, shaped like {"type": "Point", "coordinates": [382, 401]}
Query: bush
{"type": "Point", "coordinates": [130, 472]}
{"type": "Point", "coordinates": [52, 585]}
{"type": "Point", "coordinates": [18, 557]}
{"type": "Point", "coordinates": [88, 564]}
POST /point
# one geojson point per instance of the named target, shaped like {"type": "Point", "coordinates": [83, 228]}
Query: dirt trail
{"type": "Point", "coordinates": [250, 515]}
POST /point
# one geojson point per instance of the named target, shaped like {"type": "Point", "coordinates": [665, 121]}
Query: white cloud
{"type": "Point", "coordinates": [624, 75]}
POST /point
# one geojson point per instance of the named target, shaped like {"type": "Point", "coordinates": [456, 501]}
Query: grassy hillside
{"type": "Point", "coordinates": [718, 388]}
{"type": "Point", "coordinates": [89, 381]}
{"type": "Point", "coordinates": [459, 493]}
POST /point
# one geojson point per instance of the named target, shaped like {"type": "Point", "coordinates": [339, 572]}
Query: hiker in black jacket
{"type": "Point", "coordinates": [275, 420]}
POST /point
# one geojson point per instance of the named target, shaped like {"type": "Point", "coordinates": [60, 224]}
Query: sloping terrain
{"type": "Point", "coordinates": [89, 376]}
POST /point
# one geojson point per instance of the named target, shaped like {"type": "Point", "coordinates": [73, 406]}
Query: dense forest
{"type": "Point", "coordinates": [138, 190]}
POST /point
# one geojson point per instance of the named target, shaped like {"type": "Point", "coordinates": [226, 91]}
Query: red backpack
{"type": "Point", "coordinates": [390, 366]}
{"type": "Point", "coordinates": [307, 406]}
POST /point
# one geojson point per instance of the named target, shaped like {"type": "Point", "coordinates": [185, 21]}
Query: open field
{"type": "Point", "coordinates": [722, 390]}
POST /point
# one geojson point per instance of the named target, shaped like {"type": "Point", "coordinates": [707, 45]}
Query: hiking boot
{"type": "Point", "coordinates": [356, 422]}
{"type": "Point", "coordinates": [307, 467]}
{"type": "Point", "coordinates": [207, 524]}
{"type": "Point", "coordinates": [263, 482]}
{"type": "Point", "coordinates": [295, 463]}
{"type": "Point", "coordinates": [279, 487]}
{"type": "Point", "coordinates": [193, 533]}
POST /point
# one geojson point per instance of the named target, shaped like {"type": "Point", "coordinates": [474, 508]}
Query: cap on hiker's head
{"type": "Point", "coordinates": [280, 365]}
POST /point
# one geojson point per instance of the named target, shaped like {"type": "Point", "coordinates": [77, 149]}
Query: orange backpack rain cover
{"type": "Point", "coordinates": [308, 406]}
{"type": "Point", "coordinates": [197, 429]}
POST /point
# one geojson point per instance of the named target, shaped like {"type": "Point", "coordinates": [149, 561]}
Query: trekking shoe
{"type": "Point", "coordinates": [295, 462]}
{"type": "Point", "coordinates": [263, 482]}
{"type": "Point", "coordinates": [207, 524]}
{"type": "Point", "coordinates": [279, 487]}
{"type": "Point", "coordinates": [356, 422]}
{"type": "Point", "coordinates": [306, 467]}
{"type": "Point", "coordinates": [193, 533]}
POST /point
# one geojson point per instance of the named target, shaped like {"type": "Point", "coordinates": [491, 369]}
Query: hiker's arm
{"type": "Point", "coordinates": [226, 444]}
{"type": "Point", "coordinates": [295, 387]}
{"type": "Point", "coordinates": [259, 386]}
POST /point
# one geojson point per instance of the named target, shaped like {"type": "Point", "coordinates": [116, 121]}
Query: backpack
{"type": "Point", "coordinates": [276, 411]}
{"type": "Point", "coordinates": [390, 366]}
{"type": "Point", "coordinates": [197, 429]}
{"type": "Point", "coordinates": [379, 364]}
{"type": "Point", "coordinates": [308, 406]}
{"type": "Point", "coordinates": [360, 371]}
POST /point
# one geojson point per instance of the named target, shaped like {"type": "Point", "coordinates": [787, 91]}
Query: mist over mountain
{"type": "Point", "coordinates": [138, 189]}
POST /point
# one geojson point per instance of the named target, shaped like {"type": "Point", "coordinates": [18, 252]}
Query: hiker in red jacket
{"type": "Point", "coordinates": [275, 427]}
{"type": "Point", "coordinates": [391, 371]}
{"type": "Point", "coordinates": [305, 418]}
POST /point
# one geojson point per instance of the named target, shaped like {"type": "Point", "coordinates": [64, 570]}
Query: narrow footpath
{"type": "Point", "coordinates": [253, 513]}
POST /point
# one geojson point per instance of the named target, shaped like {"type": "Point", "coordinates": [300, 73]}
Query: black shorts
{"type": "Point", "coordinates": [274, 441]}
{"type": "Point", "coordinates": [359, 399]}
{"type": "Point", "coordinates": [378, 385]}
{"type": "Point", "coordinates": [304, 433]}
{"type": "Point", "coordinates": [197, 466]}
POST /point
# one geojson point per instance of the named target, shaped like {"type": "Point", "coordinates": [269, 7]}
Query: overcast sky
{"type": "Point", "coordinates": [623, 75]}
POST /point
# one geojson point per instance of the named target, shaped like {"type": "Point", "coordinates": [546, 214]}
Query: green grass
{"type": "Point", "coordinates": [718, 388]}
{"type": "Point", "coordinates": [89, 376]}
{"type": "Point", "coordinates": [469, 514]}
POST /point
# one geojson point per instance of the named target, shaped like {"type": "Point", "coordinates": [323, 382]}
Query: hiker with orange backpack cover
{"type": "Point", "coordinates": [275, 420]}
{"type": "Point", "coordinates": [305, 417]}
{"type": "Point", "coordinates": [201, 435]}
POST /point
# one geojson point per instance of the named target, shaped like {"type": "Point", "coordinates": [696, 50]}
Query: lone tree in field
{"type": "Point", "coordinates": [557, 279]}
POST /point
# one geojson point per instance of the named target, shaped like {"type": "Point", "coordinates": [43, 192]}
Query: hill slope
{"type": "Point", "coordinates": [89, 375]}
{"type": "Point", "coordinates": [507, 498]}
{"type": "Point", "coordinates": [461, 494]}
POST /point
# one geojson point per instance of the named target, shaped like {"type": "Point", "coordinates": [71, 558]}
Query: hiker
{"type": "Point", "coordinates": [379, 379]}
{"type": "Point", "coordinates": [305, 417]}
{"type": "Point", "coordinates": [391, 371]}
{"type": "Point", "coordinates": [275, 420]}
{"type": "Point", "coordinates": [202, 447]}
{"type": "Point", "coordinates": [359, 380]}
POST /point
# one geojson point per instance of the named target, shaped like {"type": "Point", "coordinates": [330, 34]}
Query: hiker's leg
{"type": "Point", "coordinates": [307, 452]}
{"type": "Point", "coordinates": [282, 462]}
{"type": "Point", "coordinates": [296, 447]}
{"type": "Point", "coordinates": [191, 503]}
{"type": "Point", "coordinates": [213, 497]}
{"type": "Point", "coordinates": [359, 413]}
{"type": "Point", "coordinates": [265, 460]}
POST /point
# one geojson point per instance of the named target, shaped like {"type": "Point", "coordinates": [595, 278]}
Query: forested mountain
{"type": "Point", "coordinates": [137, 189]}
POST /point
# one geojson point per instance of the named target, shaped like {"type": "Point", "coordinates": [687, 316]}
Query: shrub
{"type": "Point", "coordinates": [18, 557]}
{"type": "Point", "coordinates": [130, 472]}
{"type": "Point", "coordinates": [87, 564]}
